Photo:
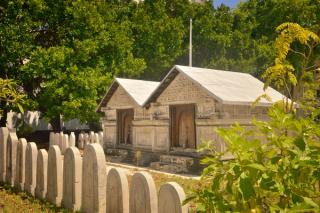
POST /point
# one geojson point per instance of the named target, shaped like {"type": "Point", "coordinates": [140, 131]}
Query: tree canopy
{"type": "Point", "coordinates": [64, 54]}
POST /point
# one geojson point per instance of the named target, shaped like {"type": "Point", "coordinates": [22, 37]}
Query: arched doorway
{"type": "Point", "coordinates": [124, 125]}
{"type": "Point", "coordinates": [183, 126]}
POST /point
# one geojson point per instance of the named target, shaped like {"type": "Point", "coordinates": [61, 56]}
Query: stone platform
{"type": "Point", "coordinates": [174, 164]}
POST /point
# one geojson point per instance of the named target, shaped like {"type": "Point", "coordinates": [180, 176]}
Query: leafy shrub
{"type": "Point", "coordinates": [276, 167]}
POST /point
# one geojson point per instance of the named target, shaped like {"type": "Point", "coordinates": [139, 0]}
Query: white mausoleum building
{"type": "Point", "coordinates": [177, 114]}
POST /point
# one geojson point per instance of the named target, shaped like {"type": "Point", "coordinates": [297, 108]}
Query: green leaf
{"type": "Point", "coordinates": [300, 143]}
{"type": "Point", "coordinates": [20, 108]}
{"type": "Point", "coordinates": [257, 166]}
{"type": "Point", "coordinates": [310, 202]}
{"type": "Point", "coordinates": [246, 187]}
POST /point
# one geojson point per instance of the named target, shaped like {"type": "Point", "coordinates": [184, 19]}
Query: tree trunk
{"type": "Point", "coordinates": [55, 123]}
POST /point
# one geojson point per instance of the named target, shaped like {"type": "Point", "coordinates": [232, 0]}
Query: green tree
{"type": "Point", "coordinates": [72, 53]}
{"type": "Point", "coordinates": [158, 36]}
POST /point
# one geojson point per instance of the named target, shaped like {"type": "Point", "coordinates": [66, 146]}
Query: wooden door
{"type": "Point", "coordinates": [124, 125]}
{"type": "Point", "coordinates": [183, 126]}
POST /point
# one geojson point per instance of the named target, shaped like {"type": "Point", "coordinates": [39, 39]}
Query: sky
{"type": "Point", "coordinates": [230, 3]}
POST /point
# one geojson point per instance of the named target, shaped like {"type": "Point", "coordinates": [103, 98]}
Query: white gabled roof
{"type": "Point", "coordinates": [225, 86]}
{"type": "Point", "coordinates": [138, 90]}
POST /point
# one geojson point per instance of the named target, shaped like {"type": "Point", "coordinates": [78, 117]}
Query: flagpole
{"type": "Point", "coordinates": [190, 44]}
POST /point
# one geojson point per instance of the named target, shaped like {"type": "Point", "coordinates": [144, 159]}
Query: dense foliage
{"type": "Point", "coordinates": [276, 168]}
{"type": "Point", "coordinates": [276, 164]}
{"type": "Point", "coordinates": [10, 96]}
{"type": "Point", "coordinates": [64, 54]}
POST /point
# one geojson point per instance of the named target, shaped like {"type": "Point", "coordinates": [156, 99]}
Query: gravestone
{"type": "Point", "coordinates": [42, 170]}
{"type": "Point", "coordinates": [171, 196]}
{"type": "Point", "coordinates": [51, 139]}
{"type": "Point", "coordinates": [143, 194]}
{"type": "Point", "coordinates": [91, 137]}
{"type": "Point", "coordinates": [81, 141]}
{"type": "Point", "coordinates": [11, 158]}
{"type": "Point", "coordinates": [31, 168]}
{"type": "Point", "coordinates": [72, 140]}
{"type": "Point", "coordinates": [4, 134]}
{"type": "Point", "coordinates": [72, 175]}
{"type": "Point", "coordinates": [61, 138]}
{"type": "Point", "coordinates": [57, 139]}
{"type": "Point", "coordinates": [20, 164]}
{"type": "Point", "coordinates": [93, 179]}
{"type": "Point", "coordinates": [65, 143]}
{"type": "Point", "coordinates": [55, 176]}
{"type": "Point", "coordinates": [117, 192]}
{"type": "Point", "coordinates": [86, 140]}
{"type": "Point", "coordinates": [101, 139]}
{"type": "Point", "coordinates": [96, 138]}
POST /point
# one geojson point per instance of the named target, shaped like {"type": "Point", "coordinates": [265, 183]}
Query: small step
{"type": "Point", "coordinates": [172, 168]}
{"type": "Point", "coordinates": [179, 160]}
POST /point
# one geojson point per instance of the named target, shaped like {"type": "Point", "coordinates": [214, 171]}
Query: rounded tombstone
{"type": "Point", "coordinates": [143, 194]}
{"type": "Point", "coordinates": [72, 176]}
{"type": "Point", "coordinates": [93, 179]}
{"type": "Point", "coordinates": [101, 138]}
{"type": "Point", "coordinates": [81, 141]}
{"type": "Point", "coordinates": [42, 170]}
{"type": "Point", "coordinates": [61, 138]}
{"type": "Point", "coordinates": [11, 158]}
{"type": "Point", "coordinates": [65, 143]}
{"type": "Point", "coordinates": [171, 196]}
{"type": "Point", "coordinates": [55, 176]}
{"type": "Point", "coordinates": [56, 139]}
{"type": "Point", "coordinates": [96, 138]}
{"type": "Point", "coordinates": [117, 192]}
{"type": "Point", "coordinates": [31, 168]}
{"type": "Point", "coordinates": [4, 133]}
{"type": "Point", "coordinates": [20, 164]}
{"type": "Point", "coordinates": [86, 140]}
{"type": "Point", "coordinates": [51, 139]}
{"type": "Point", "coordinates": [72, 140]}
{"type": "Point", "coordinates": [91, 137]}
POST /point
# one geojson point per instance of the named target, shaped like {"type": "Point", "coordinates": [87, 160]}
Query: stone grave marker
{"type": "Point", "coordinates": [42, 170]}
{"type": "Point", "coordinates": [31, 168]}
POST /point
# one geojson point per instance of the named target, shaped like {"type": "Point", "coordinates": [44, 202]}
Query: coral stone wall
{"type": "Point", "coordinates": [151, 126]}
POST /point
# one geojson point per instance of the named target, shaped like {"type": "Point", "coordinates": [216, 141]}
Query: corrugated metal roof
{"type": "Point", "coordinates": [225, 86]}
{"type": "Point", "coordinates": [138, 90]}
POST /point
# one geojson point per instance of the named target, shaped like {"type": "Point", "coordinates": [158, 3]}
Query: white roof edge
{"type": "Point", "coordinates": [202, 87]}
{"type": "Point", "coordinates": [160, 83]}
{"type": "Point", "coordinates": [99, 105]}
{"type": "Point", "coordinates": [132, 98]}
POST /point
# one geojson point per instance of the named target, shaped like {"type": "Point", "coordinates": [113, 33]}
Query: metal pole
{"type": "Point", "coordinates": [190, 44]}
